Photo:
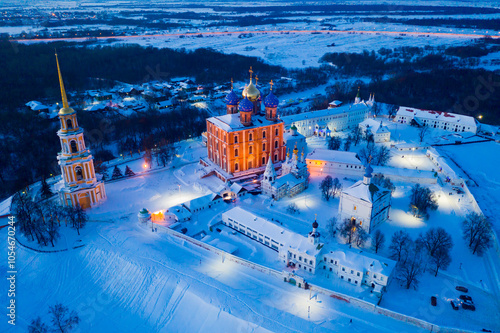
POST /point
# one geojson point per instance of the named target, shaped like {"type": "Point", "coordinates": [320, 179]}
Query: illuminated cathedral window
{"type": "Point", "coordinates": [74, 149]}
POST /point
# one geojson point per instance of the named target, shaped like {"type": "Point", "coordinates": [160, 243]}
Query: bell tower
{"type": "Point", "coordinates": [80, 186]}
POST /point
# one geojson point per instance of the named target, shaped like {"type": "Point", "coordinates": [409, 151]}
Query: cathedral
{"type": "Point", "coordinates": [79, 185]}
{"type": "Point", "coordinates": [293, 180]}
{"type": "Point", "coordinates": [244, 139]}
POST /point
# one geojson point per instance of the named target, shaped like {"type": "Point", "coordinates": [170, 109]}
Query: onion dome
{"type": "Point", "coordinates": [315, 224]}
{"type": "Point", "coordinates": [251, 91]}
{"type": "Point", "coordinates": [368, 171]}
{"type": "Point", "coordinates": [293, 128]}
{"type": "Point", "coordinates": [231, 98]}
{"type": "Point", "coordinates": [271, 101]}
{"type": "Point", "coordinates": [245, 105]}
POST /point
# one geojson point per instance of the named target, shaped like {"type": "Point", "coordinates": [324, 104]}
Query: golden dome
{"type": "Point", "coordinates": [64, 111]}
{"type": "Point", "coordinates": [251, 91]}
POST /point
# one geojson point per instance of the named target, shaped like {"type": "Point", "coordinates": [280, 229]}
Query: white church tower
{"type": "Point", "coordinates": [269, 178]}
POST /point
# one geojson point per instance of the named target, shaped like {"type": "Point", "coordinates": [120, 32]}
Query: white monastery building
{"type": "Point", "coordinates": [360, 268]}
{"type": "Point", "coordinates": [302, 253]}
{"type": "Point", "coordinates": [437, 119]}
{"type": "Point", "coordinates": [380, 132]}
{"type": "Point", "coordinates": [321, 161]}
{"type": "Point", "coordinates": [366, 203]}
{"type": "Point", "coordinates": [323, 122]}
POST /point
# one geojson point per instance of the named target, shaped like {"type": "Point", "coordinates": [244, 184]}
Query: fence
{"type": "Point", "coordinates": [349, 299]}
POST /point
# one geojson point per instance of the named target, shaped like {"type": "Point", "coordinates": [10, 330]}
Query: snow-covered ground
{"type": "Point", "coordinates": [126, 277]}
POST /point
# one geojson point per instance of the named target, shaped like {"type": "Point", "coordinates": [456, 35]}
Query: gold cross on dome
{"type": "Point", "coordinates": [271, 83]}
{"type": "Point", "coordinates": [370, 159]}
{"type": "Point", "coordinates": [231, 83]}
{"type": "Point", "coordinates": [256, 79]}
{"type": "Point", "coordinates": [315, 215]}
{"type": "Point", "coordinates": [250, 71]}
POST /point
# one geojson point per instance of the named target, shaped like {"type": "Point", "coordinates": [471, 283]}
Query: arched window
{"type": "Point", "coordinates": [249, 164]}
{"type": "Point", "coordinates": [69, 124]}
{"type": "Point", "coordinates": [236, 152]}
{"type": "Point", "coordinates": [235, 139]}
{"type": "Point", "coordinates": [236, 166]}
{"type": "Point", "coordinates": [276, 132]}
{"type": "Point", "coordinates": [250, 150]}
{"type": "Point", "coordinates": [263, 134]}
{"type": "Point", "coordinates": [250, 137]}
{"type": "Point", "coordinates": [276, 144]}
{"type": "Point", "coordinates": [74, 149]}
{"type": "Point", "coordinates": [79, 173]}
{"type": "Point", "coordinates": [263, 147]}
{"type": "Point", "coordinates": [263, 160]}
{"type": "Point", "coordinates": [275, 157]}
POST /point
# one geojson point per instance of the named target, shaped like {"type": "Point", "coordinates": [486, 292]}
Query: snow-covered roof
{"type": "Point", "coordinates": [289, 179]}
{"type": "Point", "coordinates": [335, 103]}
{"type": "Point", "coordinates": [362, 261]}
{"type": "Point", "coordinates": [95, 107]}
{"type": "Point", "coordinates": [336, 156]}
{"type": "Point", "coordinates": [437, 115]}
{"type": "Point", "coordinates": [36, 106]}
{"type": "Point", "coordinates": [375, 126]}
{"type": "Point", "coordinates": [200, 202]}
{"type": "Point", "coordinates": [237, 188]}
{"type": "Point", "coordinates": [181, 212]}
{"type": "Point", "coordinates": [365, 192]}
{"type": "Point", "coordinates": [231, 122]}
{"type": "Point", "coordinates": [287, 136]}
{"type": "Point", "coordinates": [323, 113]}
{"type": "Point", "coordinates": [276, 232]}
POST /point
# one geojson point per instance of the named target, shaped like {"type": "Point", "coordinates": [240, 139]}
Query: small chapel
{"type": "Point", "coordinates": [293, 180]}
{"type": "Point", "coordinates": [79, 186]}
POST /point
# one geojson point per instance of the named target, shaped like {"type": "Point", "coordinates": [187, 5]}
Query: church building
{"type": "Point", "coordinates": [368, 204]}
{"type": "Point", "coordinates": [293, 180]}
{"type": "Point", "coordinates": [79, 185]}
{"type": "Point", "coordinates": [242, 140]}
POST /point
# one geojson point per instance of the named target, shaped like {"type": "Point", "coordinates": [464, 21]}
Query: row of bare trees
{"type": "Point", "coordinates": [42, 220]}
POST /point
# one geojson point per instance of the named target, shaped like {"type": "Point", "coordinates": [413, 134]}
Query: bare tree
{"type": "Point", "coordinates": [412, 268]}
{"type": "Point", "coordinates": [62, 319]}
{"type": "Point", "coordinates": [37, 326]}
{"type": "Point", "coordinates": [435, 239]}
{"type": "Point", "coordinates": [77, 217]}
{"type": "Point", "coordinates": [440, 259]}
{"type": "Point", "coordinates": [422, 199]}
{"type": "Point", "coordinates": [331, 227]}
{"type": "Point", "coordinates": [356, 135]}
{"type": "Point", "coordinates": [379, 179]}
{"type": "Point", "coordinates": [378, 241]}
{"type": "Point", "coordinates": [347, 143]}
{"type": "Point", "coordinates": [400, 245]}
{"type": "Point", "coordinates": [334, 142]}
{"type": "Point", "coordinates": [422, 132]}
{"type": "Point", "coordinates": [366, 154]}
{"type": "Point", "coordinates": [347, 230]}
{"type": "Point", "coordinates": [326, 186]}
{"type": "Point", "coordinates": [392, 111]}
{"type": "Point", "coordinates": [336, 188]}
{"type": "Point", "coordinates": [477, 232]}
{"type": "Point", "coordinates": [361, 236]}
{"type": "Point", "coordinates": [381, 156]}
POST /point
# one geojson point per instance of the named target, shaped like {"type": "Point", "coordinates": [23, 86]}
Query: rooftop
{"type": "Point", "coordinates": [436, 115]}
{"type": "Point", "coordinates": [336, 156]}
{"type": "Point", "coordinates": [276, 232]}
{"type": "Point", "coordinates": [232, 123]}
{"type": "Point", "coordinates": [347, 108]}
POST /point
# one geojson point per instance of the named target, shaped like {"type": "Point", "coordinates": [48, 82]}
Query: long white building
{"type": "Point", "coordinates": [437, 119]}
{"type": "Point", "coordinates": [302, 253]}
{"type": "Point", "coordinates": [323, 122]}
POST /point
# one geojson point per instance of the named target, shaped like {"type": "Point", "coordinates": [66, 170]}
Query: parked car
{"type": "Point", "coordinates": [466, 298]}
{"type": "Point", "coordinates": [462, 289]}
{"type": "Point", "coordinates": [433, 300]}
{"type": "Point", "coordinates": [468, 306]}
{"type": "Point", "coordinates": [453, 305]}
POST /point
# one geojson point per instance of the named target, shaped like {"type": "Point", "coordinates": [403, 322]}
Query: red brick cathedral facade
{"type": "Point", "coordinates": [245, 137]}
